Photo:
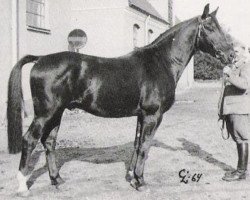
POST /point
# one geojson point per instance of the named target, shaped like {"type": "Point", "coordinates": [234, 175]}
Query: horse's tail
{"type": "Point", "coordinates": [14, 108]}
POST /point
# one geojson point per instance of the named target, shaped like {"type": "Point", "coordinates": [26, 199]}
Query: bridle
{"type": "Point", "coordinates": [199, 33]}
{"type": "Point", "coordinates": [198, 37]}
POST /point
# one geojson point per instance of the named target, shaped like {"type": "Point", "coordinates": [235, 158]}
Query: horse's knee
{"type": "Point", "coordinates": [29, 142]}
{"type": "Point", "coordinates": [143, 153]}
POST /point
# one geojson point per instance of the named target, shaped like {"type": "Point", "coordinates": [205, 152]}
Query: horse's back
{"type": "Point", "coordinates": [102, 86]}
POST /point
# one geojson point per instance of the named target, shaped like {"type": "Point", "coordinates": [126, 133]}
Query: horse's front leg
{"type": "Point", "coordinates": [130, 170]}
{"type": "Point", "coordinates": [148, 128]}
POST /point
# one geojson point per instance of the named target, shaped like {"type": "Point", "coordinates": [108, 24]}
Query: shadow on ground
{"type": "Point", "coordinates": [121, 153]}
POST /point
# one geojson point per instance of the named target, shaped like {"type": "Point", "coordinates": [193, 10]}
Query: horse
{"type": "Point", "coordinates": [141, 83]}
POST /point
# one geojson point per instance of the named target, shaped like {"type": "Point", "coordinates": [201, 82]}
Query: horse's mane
{"type": "Point", "coordinates": [172, 30]}
{"type": "Point", "coordinates": [168, 33]}
{"type": "Point", "coordinates": [164, 36]}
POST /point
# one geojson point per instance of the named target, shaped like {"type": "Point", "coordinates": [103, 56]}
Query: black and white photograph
{"type": "Point", "coordinates": [124, 99]}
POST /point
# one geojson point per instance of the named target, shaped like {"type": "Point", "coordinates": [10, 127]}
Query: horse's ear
{"type": "Point", "coordinates": [215, 12]}
{"type": "Point", "coordinates": [205, 12]}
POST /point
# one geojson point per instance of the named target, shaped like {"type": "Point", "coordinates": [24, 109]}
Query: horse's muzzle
{"type": "Point", "coordinates": [224, 58]}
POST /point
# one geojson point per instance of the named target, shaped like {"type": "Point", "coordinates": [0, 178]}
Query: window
{"type": "Point", "coordinates": [150, 36]}
{"type": "Point", "coordinates": [36, 14]}
{"type": "Point", "coordinates": [136, 29]}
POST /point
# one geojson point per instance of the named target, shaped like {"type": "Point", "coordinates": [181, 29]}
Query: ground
{"type": "Point", "coordinates": [93, 154]}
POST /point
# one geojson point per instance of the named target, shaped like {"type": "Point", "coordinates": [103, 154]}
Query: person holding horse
{"type": "Point", "coordinates": [234, 109]}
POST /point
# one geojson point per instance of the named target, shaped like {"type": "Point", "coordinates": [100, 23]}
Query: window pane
{"type": "Point", "coordinates": [42, 18]}
{"type": "Point", "coordinates": [35, 13]}
{"type": "Point", "coordinates": [28, 19]}
{"type": "Point", "coordinates": [42, 12]}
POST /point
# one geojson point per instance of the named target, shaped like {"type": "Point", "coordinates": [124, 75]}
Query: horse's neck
{"type": "Point", "coordinates": [179, 47]}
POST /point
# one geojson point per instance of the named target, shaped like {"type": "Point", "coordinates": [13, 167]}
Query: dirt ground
{"type": "Point", "coordinates": [93, 154]}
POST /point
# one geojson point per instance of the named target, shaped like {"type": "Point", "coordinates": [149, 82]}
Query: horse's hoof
{"type": "Point", "coordinates": [57, 181]}
{"type": "Point", "coordinates": [22, 181]}
{"type": "Point", "coordinates": [25, 193]}
{"type": "Point", "coordinates": [22, 189]}
{"type": "Point", "coordinates": [137, 184]}
{"type": "Point", "coordinates": [129, 176]}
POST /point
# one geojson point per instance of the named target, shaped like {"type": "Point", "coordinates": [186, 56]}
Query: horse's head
{"type": "Point", "coordinates": [211, 39]}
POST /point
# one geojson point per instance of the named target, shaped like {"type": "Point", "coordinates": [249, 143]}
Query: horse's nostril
{"type": "Point", "coordinates": [232, 55]}
{"type": "Point", "coordinates": [219, 53]}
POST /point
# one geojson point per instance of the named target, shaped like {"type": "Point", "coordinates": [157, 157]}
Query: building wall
{"type": "Point", "coordinates": [37, 43]}
{"type": "Point", "coordinates": [100, 4]}
{"type": "Point", "coordinates": [5, 60]}
{"type": "Point", "coordinates": [161, 6]}
{"type": "Point", "coordinates": [187, 77]}
{"type": "Point", "coordinates": [5, 51]}
{"type": "Point", "coordinates": [103, 22]}
{"type": "Point", "coordinates": [59, 24]}
{"type": "Point", "coordinates": [104, 34]}
{"type": "Point", "coordinates": [117, 39]}
{"type": "Point", "coordinates": [132, 17]}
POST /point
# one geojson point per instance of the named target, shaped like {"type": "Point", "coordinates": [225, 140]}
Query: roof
{"type": "Point", "coordinates": [145, 7]}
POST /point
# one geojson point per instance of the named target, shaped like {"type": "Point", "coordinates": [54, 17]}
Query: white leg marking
{"type": "Point", "coordinates": [131, 172]}
{"type": "Point", "coordinates": [22, 182]}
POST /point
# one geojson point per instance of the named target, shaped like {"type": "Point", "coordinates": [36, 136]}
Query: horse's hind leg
{"type": "Point", "coordinates": [49, 143]}
{"type": "Point", "coordinates": [40, 127]}
{"type": "Point", "coordinates": [29, 142]}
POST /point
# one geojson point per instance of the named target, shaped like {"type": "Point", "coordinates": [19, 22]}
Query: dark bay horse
{"type": "Point", "coordinates": [140, 84]}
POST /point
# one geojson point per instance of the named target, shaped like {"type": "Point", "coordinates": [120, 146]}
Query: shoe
{"type": "Point", "coordinates": [241, 171]}
{"type": "Point", "coordinates": [234, 176]}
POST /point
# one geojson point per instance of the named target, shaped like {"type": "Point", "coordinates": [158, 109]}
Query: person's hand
{"type": "Point", "coordinates": [227, 71]}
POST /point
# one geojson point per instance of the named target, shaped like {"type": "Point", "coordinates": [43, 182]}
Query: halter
{"type": "Point", "coordinates": [199, 32]}
{"type": "Point", "coordinates": [200, 26]}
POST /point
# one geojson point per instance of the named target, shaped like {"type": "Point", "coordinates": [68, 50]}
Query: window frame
{"type": "Point", "coordinates": [36, 28]}
{"type": "Point", "coordinates": [150, 34]}
{"type": "Point", "coordinates": [136, 29]}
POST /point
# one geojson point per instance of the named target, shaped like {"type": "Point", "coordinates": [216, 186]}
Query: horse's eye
{"type": "Point", "coordinates": [209, 28]}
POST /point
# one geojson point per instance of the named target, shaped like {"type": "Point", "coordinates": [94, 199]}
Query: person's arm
{"type": "Point", "coordinates": [243, 80]}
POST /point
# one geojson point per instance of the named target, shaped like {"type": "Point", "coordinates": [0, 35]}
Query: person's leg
{"type": "Point", "coordinates": [238, 127]}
